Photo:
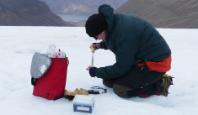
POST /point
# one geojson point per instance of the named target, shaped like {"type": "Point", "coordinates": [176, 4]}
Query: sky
{"type": "Point", "coordinates": [18, 44]}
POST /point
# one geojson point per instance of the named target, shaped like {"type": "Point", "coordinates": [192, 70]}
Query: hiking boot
{"type": "Point", "coordinates": [165, 84]}
{"type": "Point", "coordinates": [121, 91]}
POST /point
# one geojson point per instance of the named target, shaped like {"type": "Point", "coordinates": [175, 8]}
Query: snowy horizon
{"type": "Point", "coordinates": [18, 44]}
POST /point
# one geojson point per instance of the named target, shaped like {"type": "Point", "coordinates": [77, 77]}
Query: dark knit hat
{"type": "Point", "coordinates": [95, 24]}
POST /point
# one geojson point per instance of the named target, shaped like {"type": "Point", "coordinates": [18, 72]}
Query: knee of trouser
{"type": "Point", "coordinates": [108, 83]}
{"type": "Point", "coordinates": [122, 91]}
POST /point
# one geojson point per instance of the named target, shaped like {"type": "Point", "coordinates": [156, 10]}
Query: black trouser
{"type": "Point", "coordinates": [140, 81]}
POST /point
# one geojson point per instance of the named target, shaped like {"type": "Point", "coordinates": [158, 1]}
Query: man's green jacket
{"type": "Point", "coordinates": [131, 39]}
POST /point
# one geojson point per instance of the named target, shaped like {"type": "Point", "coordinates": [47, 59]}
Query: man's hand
{"type": "Point", "coordinates": [94, 46]}
{"type": "Point", "coordinates": [92, 71]}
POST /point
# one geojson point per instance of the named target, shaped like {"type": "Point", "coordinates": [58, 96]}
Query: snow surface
{"type": "Point", "coordinates": [19, 43]}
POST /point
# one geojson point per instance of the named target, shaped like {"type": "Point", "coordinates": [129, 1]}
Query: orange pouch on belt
{"type": "Point", "coordinates": [161, 66]}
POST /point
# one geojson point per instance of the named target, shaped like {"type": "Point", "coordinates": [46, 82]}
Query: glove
{"type": "Point", "coordinates": [94, 46]}
{"type": "Point", "coordinates": [71, 94]}
{"type": "Point", "coordinates": [92, 71]}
